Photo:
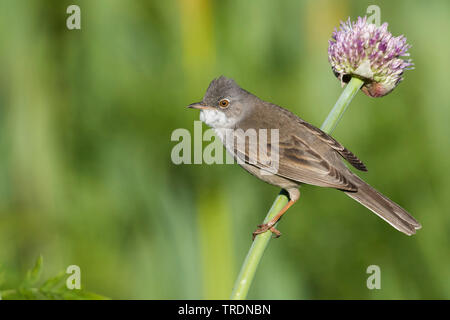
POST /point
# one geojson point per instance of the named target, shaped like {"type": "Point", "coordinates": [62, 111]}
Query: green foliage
{"type": "Point", "coordinates": [32, 288]}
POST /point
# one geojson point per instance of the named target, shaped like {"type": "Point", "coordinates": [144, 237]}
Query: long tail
{"type": "Point", "coordinates": [385, 208]}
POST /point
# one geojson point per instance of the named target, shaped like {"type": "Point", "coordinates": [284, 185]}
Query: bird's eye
{"type": "Point", "coordinates": [224, 103]}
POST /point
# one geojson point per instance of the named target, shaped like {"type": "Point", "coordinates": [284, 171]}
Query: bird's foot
{"type": "Point", "coordinates": [266, 227]}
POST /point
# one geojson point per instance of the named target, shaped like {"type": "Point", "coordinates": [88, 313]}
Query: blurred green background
{"type": "Point", "coordinates": [86, 176]}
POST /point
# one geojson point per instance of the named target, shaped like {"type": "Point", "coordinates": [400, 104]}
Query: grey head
{"type": "Point", "coordinates": [224, 103]}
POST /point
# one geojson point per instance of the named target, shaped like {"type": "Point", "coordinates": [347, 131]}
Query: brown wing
{"type": "Point", "coordinates": [298, 162]}
{"type": "Point", "coordinates": [344, 152]}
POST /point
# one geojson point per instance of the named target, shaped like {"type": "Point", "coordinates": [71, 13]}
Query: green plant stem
{"type": "Point", "coordinates": [341, 105]}
{"type": "Point", "coordinates": [261, 241]}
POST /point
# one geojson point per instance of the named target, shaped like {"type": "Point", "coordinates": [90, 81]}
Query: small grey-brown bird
{"type": "Point", "coordinates": [305, 154]}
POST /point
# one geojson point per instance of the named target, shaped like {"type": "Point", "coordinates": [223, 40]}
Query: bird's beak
{"type": "Point", "coordinates": [199, 105]}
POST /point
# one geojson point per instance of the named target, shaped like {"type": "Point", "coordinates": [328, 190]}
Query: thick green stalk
{"type": "Point", "coordinates": [261, 241]}
{"type": "Point", "coordinates": [341, 105]}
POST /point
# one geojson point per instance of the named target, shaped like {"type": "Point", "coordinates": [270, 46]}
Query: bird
{"type": "Point", "coordinates": [304, 153]}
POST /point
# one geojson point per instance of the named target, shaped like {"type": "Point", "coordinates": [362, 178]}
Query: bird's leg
{"type": "Point", "coordinates": [270, 225]}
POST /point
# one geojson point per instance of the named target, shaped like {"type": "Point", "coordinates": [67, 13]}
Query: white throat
{"type": "Point", "coordinates": [216, 119]}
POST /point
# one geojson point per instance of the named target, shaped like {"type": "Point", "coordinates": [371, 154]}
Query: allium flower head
{"type": "Point", "coordinates": [370, 53]}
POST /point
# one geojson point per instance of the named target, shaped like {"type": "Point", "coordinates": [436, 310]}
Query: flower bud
{"type": "Point", "coordinates": [371, 53]}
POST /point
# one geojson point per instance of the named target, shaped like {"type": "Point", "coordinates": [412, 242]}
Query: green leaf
{"type": "Point", "coordinates": [53, 288]}
{"type": "Point", "coordinates": [82, 295]}
{"type": "Point", "coordinates": [34, 274]}
{"type": "Point", "coordinates": [28, 294]}
{"type": "Point", "coordinates": [53, 283]}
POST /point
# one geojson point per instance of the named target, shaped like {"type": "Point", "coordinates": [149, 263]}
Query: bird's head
{"type": "Point", "coordinates": [223, 104]}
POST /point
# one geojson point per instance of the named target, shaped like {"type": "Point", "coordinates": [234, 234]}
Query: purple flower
{"type": "Point", "coordinates": [370, 53]}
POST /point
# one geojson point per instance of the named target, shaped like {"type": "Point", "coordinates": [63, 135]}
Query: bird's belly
{"type": "Point", "coordinates": [272, 179]}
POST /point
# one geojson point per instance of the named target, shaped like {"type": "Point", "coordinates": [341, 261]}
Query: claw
{"type": "Point", "coordinates": [265, 227]}
{"type": "Point", "coordinates": [270, 225]}
{"type": "Point", "coordinates": [276, 233]}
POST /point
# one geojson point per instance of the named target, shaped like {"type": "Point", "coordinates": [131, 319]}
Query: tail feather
{"type": "Point", "coordinates": [385, 208]}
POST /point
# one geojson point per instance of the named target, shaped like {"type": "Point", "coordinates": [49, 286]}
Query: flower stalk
{"type": "Point", "coordinates": [341, 105]}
